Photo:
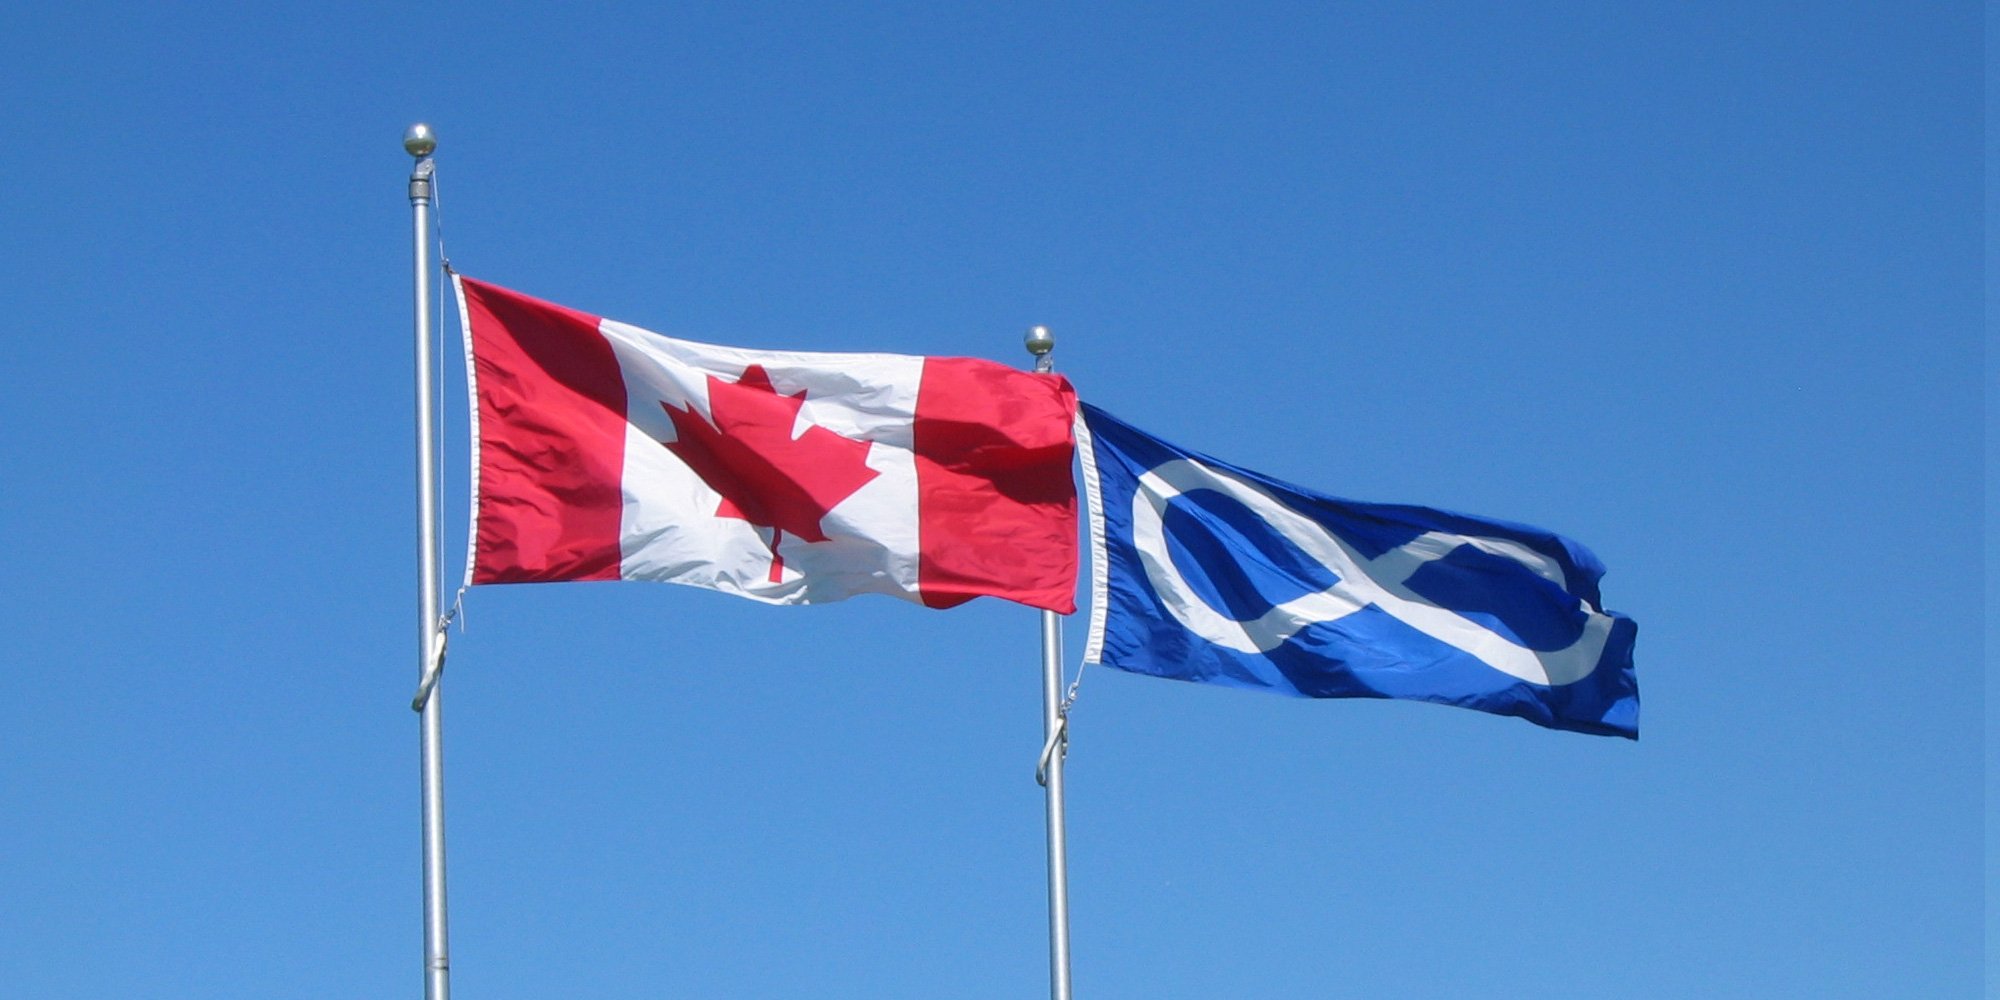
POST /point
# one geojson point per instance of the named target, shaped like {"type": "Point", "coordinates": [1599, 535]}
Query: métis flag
{"type": "Point", "coordinates": [1211, 572]}
{"type": "Point", "coordinates": [606, 452]}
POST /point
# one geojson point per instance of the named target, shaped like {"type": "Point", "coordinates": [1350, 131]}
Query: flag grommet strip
{"type": "Point", "coordinates": [472, 425]}
{"type": "Point", "coordinates": [1100, 571]}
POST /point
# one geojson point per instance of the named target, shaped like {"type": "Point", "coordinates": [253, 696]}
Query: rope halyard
{"type": "Point", "coordinates": [437, 329]}
{"type": "Point", "coordinates": [441, 637]}
{"type": "Point", "coordinates": [437, 223]}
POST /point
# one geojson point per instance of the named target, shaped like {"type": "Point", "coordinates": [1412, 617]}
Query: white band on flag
{"type": "Point", "coordinates": [1360, 582]}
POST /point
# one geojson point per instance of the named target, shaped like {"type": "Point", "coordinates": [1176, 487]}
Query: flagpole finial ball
{"type": "Point", "coordinates": [419, 140]}
{"type": "Point", "coordinates": [1039, 341]}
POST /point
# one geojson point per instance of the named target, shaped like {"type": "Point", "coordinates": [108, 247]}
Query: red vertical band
{"type": "Point", "coordinates": [995, 501]}
{"type": "Point", "coordinates": [551, 440]}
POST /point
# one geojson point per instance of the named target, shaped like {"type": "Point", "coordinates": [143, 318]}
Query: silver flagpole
{"type": "Point", "coordinates": [1055, 744]}
{"type": "Point", "coordinates": [419, 142]}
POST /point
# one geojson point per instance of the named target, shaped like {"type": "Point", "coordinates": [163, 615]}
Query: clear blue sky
{"type": "Point", "coordinates": [1700, 285]}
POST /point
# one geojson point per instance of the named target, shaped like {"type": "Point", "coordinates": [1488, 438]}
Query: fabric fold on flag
{"type": "Point", "coordinates": [1210, 572]}
{"type": "Point", "coordinates": [605, 452]}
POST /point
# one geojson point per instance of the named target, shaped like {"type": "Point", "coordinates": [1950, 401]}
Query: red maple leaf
{"type": "Point", "coordinates": [765, 475]}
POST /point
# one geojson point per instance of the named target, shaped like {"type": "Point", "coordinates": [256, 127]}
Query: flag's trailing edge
{"type": "Point", "coordinates": [1211, 572]}
{"type": "Point", "coordinates": [605, 452]}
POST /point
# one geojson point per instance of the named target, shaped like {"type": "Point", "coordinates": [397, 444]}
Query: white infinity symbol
{"type": "Point", "coordinates": [1382, 582]}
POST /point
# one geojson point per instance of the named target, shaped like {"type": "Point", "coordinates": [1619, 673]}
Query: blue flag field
{"type": "Point", "coordinates": [1209, 572]}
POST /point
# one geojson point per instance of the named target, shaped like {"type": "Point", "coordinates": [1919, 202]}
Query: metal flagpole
{"type": "Point", "coordinates": [1055, 736]}
{"type": "Point", "coordinates": [419, 142]}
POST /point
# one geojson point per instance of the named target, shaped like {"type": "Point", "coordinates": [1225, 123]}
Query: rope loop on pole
{"type": "Point", "coordinates": [1058, 743]}
{"type": "Point", "coordinates": [435, 668]}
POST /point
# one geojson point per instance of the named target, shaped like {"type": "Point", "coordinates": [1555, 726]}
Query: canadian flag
{"type": "Point", "coordinates": [606, 452]}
